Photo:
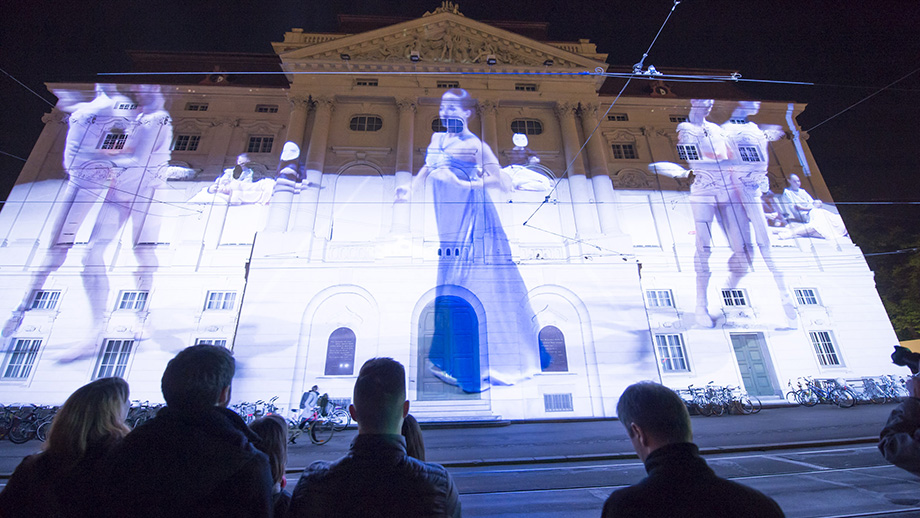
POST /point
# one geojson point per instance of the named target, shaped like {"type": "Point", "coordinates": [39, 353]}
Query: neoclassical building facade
{"type": "Point", "coordinates": [312, 219]}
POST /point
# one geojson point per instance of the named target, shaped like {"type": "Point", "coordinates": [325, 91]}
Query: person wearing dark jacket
{"type": "Point", "coordinates": [61, 481]}
{"type": "Point", "coordinates": [195, 458]}
{"type": "Point", "coordinates": [376, 478]}
{"type": "Point", "coordinates": [899, 441]}
{"type": "Point", "coordinates": [679, 481]}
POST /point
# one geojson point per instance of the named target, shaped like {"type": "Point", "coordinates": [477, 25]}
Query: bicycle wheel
{"type": "Point", "coordinates": [5, 423]}
{"type": "Point", "coordinates": [340, 419]}
{"type": "Point", "coordinates": [808, 398]}
{"type": "Point", "coordinates": [758, 406]}
{"type": "Point", "coordinates": [793, 397]}
{"type": "Point", "coordinates": [41, 433]}
{"type": "Point", "coordinates": [22, 432]}
{"type": "Point", "coordinates": [745, 405]}
{"type": "Point", "coordinates": [321, 431]}
{"type": "Point", "coordinates": [844, 398]}
{"type": "Point", "coordinates": [704, 408]}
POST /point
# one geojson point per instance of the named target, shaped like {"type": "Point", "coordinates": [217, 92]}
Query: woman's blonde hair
{"type": "Point", "coordinates": [93, 414]}
{"type": "Point", "coordinates": [273, 431]}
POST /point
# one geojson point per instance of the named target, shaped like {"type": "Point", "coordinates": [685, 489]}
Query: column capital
{"type": "Point", "coordinates": [324, 103]}
{"type": "Point", "coordinates": [487, 106]}
{"type": "Point", "coordinates": [299, 102]}
{"type": "Point", "coordinates": [590, 110]}
{"type": "Point", "coordinates": [406, 104]}
{"type": "Point", "coordinates": [565, 109]}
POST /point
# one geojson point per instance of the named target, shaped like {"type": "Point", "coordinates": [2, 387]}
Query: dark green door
{"type": "Point", "coordinates": [752, 362]}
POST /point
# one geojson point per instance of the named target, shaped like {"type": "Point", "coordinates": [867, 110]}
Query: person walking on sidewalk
{"type": "Point", "coordinates": [679, 481]}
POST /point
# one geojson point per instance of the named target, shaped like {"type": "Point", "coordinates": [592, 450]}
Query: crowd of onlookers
{"type": "Point", "coordinates": [197, 458]}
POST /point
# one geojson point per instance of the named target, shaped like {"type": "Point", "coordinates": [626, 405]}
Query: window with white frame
{"type": "Point", "coordinates": [749, 154]}
{"type": "Point", "coordinates": [659, 298]}
{"type": "Point", "coordinates": [624, 151]}
{"type": "Point", "coordinates": [219, 342]}
{"type": "Point", "coordinates": [196, 107]}
{"type": "Point", "coordinates": [45, 299]}
{"type": "Point", "coordinates": [688, 152]}
{"type": "Point", "coordinates": [260, 143]}
{"type": "Point", "coordinates": [677, 118]}
{"type": "Point", "coordinates": [114, 140]}
{"type": "Point", "coordinates": [448, 84]}
{"type": "Point", "coordinates": [186, 142]}
{"type": "Point", "coordinates": [671, 353]}
{"type": "Point", "coordinates": [525, 87]}
{"type": "Point", "coordinates": [132, 300]}
{"type": "Point", "coordinates": [126, 106]}
{"type": "Point", "coordinates": [617, 117]}
{"type": "Point", "coordinates": [365, 123]}
{"type": "Point", "coordinates": [221, 300]}
{"type": "Point", "coordinates": [734, 297]}
{"type": "Point", "coordinates": [527, 126]}
{"type": "Point", "coordinates": [113, 360]}
{"type": "Point", "coordinates": [266, 108]}
{"type": "Point", "coordinates": [438, 126]}
{"type": "Point", "coordinates": [366, 82]}
{"type": "Point", "coordinates": [824, 348]}
{"type": "Point", "coordinates": [20, 358]}
{"type": "Point", "coordinates": [806, 296]}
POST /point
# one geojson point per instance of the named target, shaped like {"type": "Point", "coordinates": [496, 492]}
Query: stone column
{"type": "Point", "coordinates": [487, 112]}
{"type": "Point", "coordinates": [404, 167]}
{"type": "Point", "coordinates": [600, 175]}
{"type": "Point", "coordinates": [586, 223]}
{"type": "Point", "coordinates": [297, 122]}
{"type": "Point", "coordinates": [314, 163]}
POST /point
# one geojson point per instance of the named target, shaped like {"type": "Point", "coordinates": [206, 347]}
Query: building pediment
{"type": "Point", "coordinates": [442, 38]}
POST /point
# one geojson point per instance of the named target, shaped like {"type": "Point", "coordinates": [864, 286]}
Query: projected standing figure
{"type": "Point", "coordinates": [475, 256]}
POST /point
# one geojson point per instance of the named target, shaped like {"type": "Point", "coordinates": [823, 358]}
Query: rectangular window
{"type": "Point", "coordinates": [806, 296]}
{"type": "Point", "coordinates": [671, 353]}
{"type": "Point", "coordinates": [220, 300]}
{"type": "Point", "coordinates": [186, 142]}
{"type": "Point", "coordinates": [624, 151]}
{"type": "Point", "coordinates": [114, 358]}
{"type": "Point", "coordinates": [260, 144]}
{"type": "Point", "coordinates": [749, 154]}
{"type": "Point", "coordinates": [365, 82]}
{"type": "Point", "coordinates": [196, 107]}
{"type": "Point", "coordinates": [219, 342]}
{"type": "Point", "coordinates": [21, 358]}
{"type": "Point", "coordinates": [618, 117]}
{"type": "Point", "coordinates": [266, 108]}
{"type": "Point", "coordinates": [126, 106]}
{"type": "Point", "coordinates": [733, 298]}
{"type": "Point", "coordinates": [525, 87]}
{"type": "Point", "coordinates": [688, 152]}
{"type": "Point", "coordinates": [558, 403]}
{"type": "Point", "coordinates": [114, 141]}
{"type": "Point", "coordinates": [448, 84]}
{"type": "Point", "coordinates": [659, 298]}
{"type": "Point", "coordinates": [45, 299]}
{"type": "Point", "coordinates": [677, 118]}
{"type": "Point", "coordinates": [738, 121]}
{"type": "Point", "coordinates": [824, 348]}
{"type": "Point", "coordinates": [133, 300]}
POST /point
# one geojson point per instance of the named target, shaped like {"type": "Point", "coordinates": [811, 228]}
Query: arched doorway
{"type": "Point", "coordinates": [449, 324]}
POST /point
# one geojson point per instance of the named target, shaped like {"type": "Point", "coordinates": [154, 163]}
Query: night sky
{"type": "Point", "coordinates": [850, 48]}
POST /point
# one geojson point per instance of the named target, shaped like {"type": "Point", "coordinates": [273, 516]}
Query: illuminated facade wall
{"type": "Point", "coordinates": [136, 229]}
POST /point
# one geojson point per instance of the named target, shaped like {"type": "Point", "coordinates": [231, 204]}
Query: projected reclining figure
{"type": "Point", "coordinates": [458, 169]}
{"type": "Point", "coordinates": [107, 159]}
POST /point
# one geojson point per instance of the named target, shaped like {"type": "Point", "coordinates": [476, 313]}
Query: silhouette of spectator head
{"type": "Point", "coordinates": [273, 432]}
{"type": "Point", "coordinates": [198, 377]}
{"type": "Point", "coordinates": [415, 443]}
{"type": "Point", "coordinates": [380, 397]}
{"type": "Point", "coordinates": [94, 414]}
{"type": "Point", "coordinates": [654, 416]}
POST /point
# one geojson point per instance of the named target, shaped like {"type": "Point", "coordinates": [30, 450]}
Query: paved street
{"type": "Point", "coordinates": [816, 462]}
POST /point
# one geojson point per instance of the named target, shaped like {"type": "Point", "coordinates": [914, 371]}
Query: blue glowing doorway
{"type": "Point", "coordinates": [448, 337]}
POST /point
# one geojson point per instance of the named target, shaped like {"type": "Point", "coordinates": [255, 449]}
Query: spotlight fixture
{"type": "Point", "coordinates": [345, 57]}
{"type": "Point", "coordinates": [491, 60]}
{"type": "Point", "coordinates": [414, 56]}
{"type": "Point", "coordinates": [548, 63]}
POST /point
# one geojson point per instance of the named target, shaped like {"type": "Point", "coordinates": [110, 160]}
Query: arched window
{"type": "Point", "coordinates": [438, 127]}
{"type": "Point", "coordinates": [340, 353]}
{"type": "Point", "coordinates": [527, 126]}
{"type": "Point", "coordinates": [552, 339]}
{"type": "Point", "coordinates": [366, 123]}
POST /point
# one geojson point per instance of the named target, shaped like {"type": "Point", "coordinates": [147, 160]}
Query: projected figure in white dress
{"type": "Point", "coordinates": [459, 168]}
